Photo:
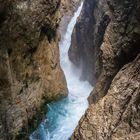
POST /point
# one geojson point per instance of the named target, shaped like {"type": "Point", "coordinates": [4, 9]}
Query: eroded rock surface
{"type": "Point", "coordinates": [120, 44]}
{"type": "Point", "coordinates": [116, 116]}
{"type": "Point", "coordinates": [87, 38]}
{"type": "Point", "coordinates": [116, 24]}
{"type": "Point", "coordinates": [30, 72]}
{"type": "Point", "coordinates": [112, 31]}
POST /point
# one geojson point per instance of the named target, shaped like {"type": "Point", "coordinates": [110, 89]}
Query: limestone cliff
{"type": "Point", "coordinates": [30, 72]}
{"type": "Point", "coordinates": [105, 40]}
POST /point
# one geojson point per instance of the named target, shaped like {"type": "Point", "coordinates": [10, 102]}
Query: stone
{"type": "Point", "coordinates": [105, 45]}
{"type": "Point", "coordinates": [116, 116]}
{"type": "Point", "coordinates": [28, 54]}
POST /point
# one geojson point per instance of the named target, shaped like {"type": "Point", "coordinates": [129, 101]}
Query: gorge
{"type": "Point", "coordinates": [69, 70]}
{"type": "Point", "coordinates": [63, 116]}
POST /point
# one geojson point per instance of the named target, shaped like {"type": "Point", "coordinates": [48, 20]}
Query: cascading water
{"type": "Point", "coordinates": [63, 116]}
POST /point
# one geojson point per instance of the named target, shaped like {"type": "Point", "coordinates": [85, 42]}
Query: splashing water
{"type": "Point", "coordinates": [63, 116]}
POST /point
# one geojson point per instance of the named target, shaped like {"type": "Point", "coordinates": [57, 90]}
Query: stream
{"type": "Point", "coordinates": [63, 115]}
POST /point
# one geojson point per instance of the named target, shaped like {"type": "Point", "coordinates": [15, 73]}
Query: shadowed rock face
{"type": "Point", "coordinates": [104, 39]}
{"type": "Point", "coordinates": [120, 43]}
{"type": "Point", "coordinates": [112, 43]}
{"type": "Point", "coordinates": [30, 73]}
{"type": "Point", "coordinates": [87, 38]}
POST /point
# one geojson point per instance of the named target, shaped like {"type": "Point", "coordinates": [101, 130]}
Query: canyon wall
{"type": "Point", "coordinates": [87, 38]}
{"type": "Point", "coordinates": [30, 72]}
{"type": "Point", "coordinates": [105, 45]}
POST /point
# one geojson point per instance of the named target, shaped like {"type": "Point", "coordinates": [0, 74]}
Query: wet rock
{"type": "Point", "coordinates": [116, 116]}
{"type": "Point", "coordinates": [109, 59]}
{"type": "Point", "coordinates": [105, 38]}
{"type": "Point", "coordinates": [30, 72]}
{"type": "Point", "coordinates": [87, 38]}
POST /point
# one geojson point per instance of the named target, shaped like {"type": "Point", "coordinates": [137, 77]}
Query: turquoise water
{"type": "Point", "coordinates": [63, 116]}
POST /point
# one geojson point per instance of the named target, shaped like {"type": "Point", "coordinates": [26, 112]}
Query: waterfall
{"type": "Point", "coordinates": [63, 115]}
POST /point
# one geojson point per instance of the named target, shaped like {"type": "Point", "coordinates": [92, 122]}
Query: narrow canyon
{"type": "Point", "coordinates": [69, 70]}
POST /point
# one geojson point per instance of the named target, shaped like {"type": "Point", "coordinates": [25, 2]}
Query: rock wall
{"type": "Point", "coordinates": [30, 72]}
{"type": "Point", "coordinates": [87, 38]}
{"type": "Point", "coordinates": [68, 8]}
{"type": "Point", "coordinates": [105, 44]}
{"type": "Point", "coordinates": [120, 43]}
{"type": "Point", "coordinates": [116, 116]}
